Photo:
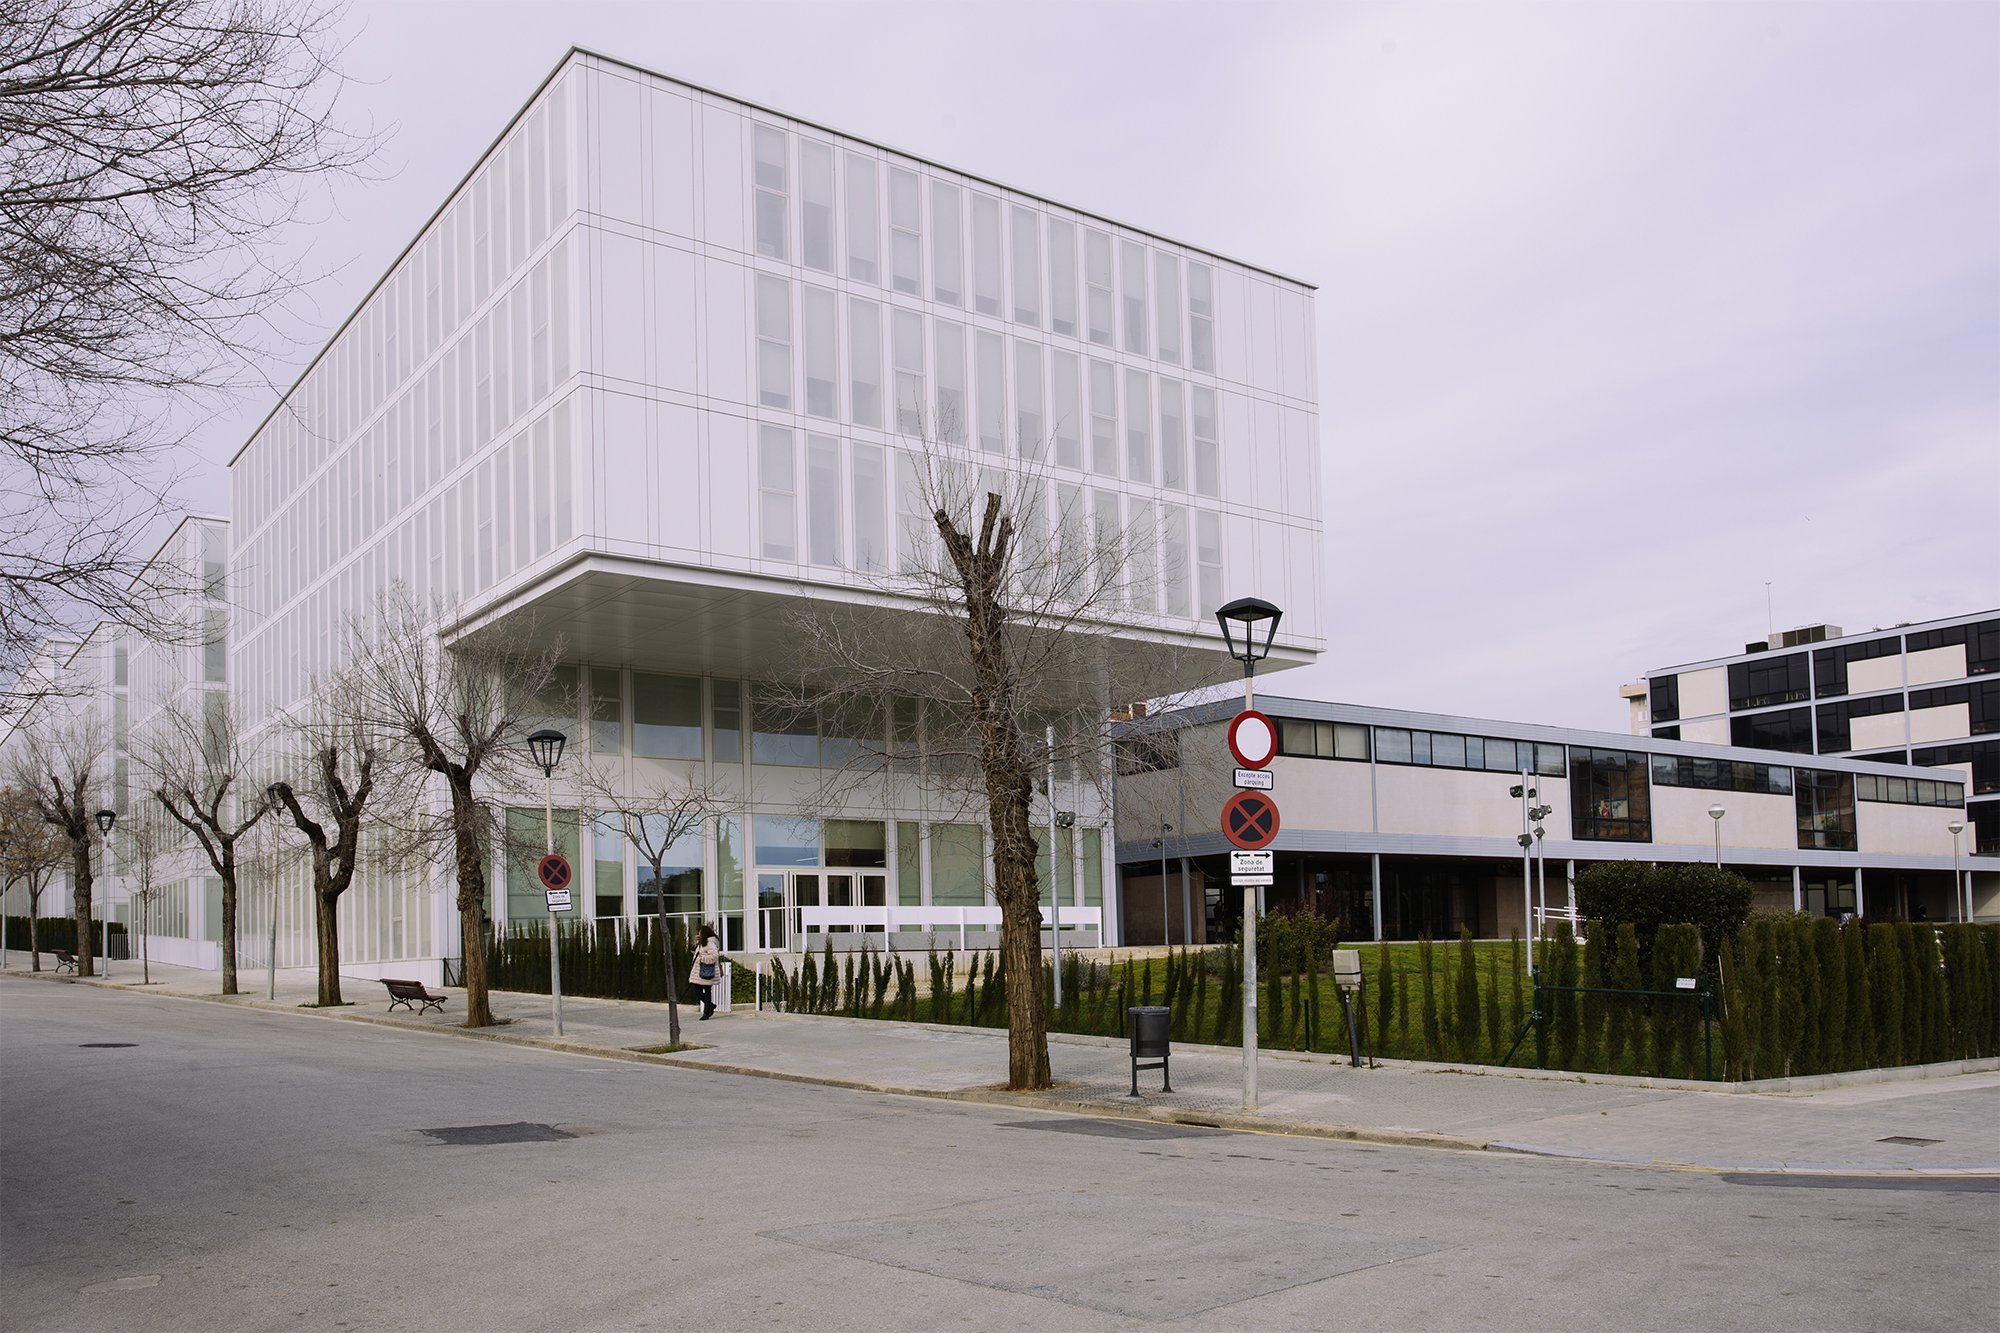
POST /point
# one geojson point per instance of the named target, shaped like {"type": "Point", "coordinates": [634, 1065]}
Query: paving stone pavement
{"type": "Point", "coordinates": [1955, 1119]}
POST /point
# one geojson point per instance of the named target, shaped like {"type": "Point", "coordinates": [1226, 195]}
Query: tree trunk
{"type": "Point", "coordinates": [80, 885]}
{"type": "Point", "coordinates": [34, 941]}
{"type": "Point", "coordinates": [667, 952]}
{"type": "Point", "coordinates": [471, 865]}
{"type": "Point", "coordinates": [1020, 937]}
{"type": "Point", "coordinates": [229, 931]}
{"type": "Point", "coordinates": [328, 930]}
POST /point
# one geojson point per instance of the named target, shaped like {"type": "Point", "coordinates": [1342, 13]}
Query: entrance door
{"type": "Point", "coordinates": [774, 903]}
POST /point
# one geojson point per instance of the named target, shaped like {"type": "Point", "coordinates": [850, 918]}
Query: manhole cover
{"type": "Point", "coordinates": [1116, 1129]}
{"type": "Point", "coordinates": [105, 1045]}
{"type": "Point", "coordinates": [521, 1131]}
{"type": "Point", "coordinates": [1908, 1141]}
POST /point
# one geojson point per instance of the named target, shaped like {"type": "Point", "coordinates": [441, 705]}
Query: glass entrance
{"type": "Point", "coordinates": [780, 893]}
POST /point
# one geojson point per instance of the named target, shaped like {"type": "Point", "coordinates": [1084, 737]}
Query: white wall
{"type": "Point", "coordinates": [1931, 665]}
{"type": "Point", "coordinates": [1704, 692]}
{"type": "Point", "coordinates": [1918, 830]}
{"type": "Point", "coordinates": [1752, 819]}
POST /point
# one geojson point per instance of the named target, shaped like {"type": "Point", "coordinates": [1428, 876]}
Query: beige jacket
{"type": "Point", "coordinates": [710, 953]}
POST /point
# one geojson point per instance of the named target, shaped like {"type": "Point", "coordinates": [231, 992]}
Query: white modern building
{"type": "Point", "coordinates": [1401, 823]}
{"type": "Point", "coordinates": [662, 364]}
{"type": "Point", "coordinates": [1925, 694]}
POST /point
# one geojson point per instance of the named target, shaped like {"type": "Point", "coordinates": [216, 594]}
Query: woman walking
{"type": "Point", "coordinates": [707, 970]}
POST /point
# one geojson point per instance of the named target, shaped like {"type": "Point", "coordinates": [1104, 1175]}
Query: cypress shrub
{"type": "Point", "coordinates": [829, 981]}
{"type": "Point", "coordinates": [1677, 1019]}
{"type": "Point", "coordinates": [1273, 1017]}
{"type": "Point", "coordinates": [1745, 999]}
{"type": "Point", "coordinates": [1623, 1033]}
{"type": "Point", "coordinates": [1496, 1034]}
{"type": "Point", "coordinates": [1403, 1014]}
{"type": "Point", "coordinates": [1590, 1005]}
{"type": "Point", "coordinates": [1800, 942]}
{"type": "Point", "coordinates": [1830, 1034]}
{"type": "Point", "coordinates": [1930, 971]}
{"type": "Point", "coordinates": [1385, 996]}
{"type": "Point", "coordinates": [1427, 969]}
{"type": "Point", "coordinates": [1988, 997]}
{"type": "Point", "coordinates": [1520, 1010]}
{"type": "Point", "coordinates": [1858, 1046]}
{"type": "Point", "coordinates": [1914, 994]}
{"type": "Point", "coordinates": [1885, 995]}
{"type": "Point", "coordinates": [1716, 902]}
{"type": "Point", "coordinates": [1770, 999]}
{"type": "Point", "coordinates": [1295, 1019]}
{"type": "Point", "coordinates": [1465, 1014]}
{"type": "Point", "coordinates": [808, 985]}
{"type": "Point", "coordinates": [1562, 1003]}
{"type": "Point", "coordinates": [1791, 994]}
{"type": "Point", "coordinates": [1195, 1028]}
{"type": "Point", "coordinates": [1734, 1057]}
{"type": "Point", "coordinates": [1312, 1001]}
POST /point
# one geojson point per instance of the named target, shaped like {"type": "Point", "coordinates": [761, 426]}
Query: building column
{"type": "Point", "coordinates": [1375, 895]}
{"type": "Point", "coordinates": [1798, 891]}
{"type": "Point", "coordinates": [1860, 903]}
{"type": "Point", "coordinates": [1569, 873]}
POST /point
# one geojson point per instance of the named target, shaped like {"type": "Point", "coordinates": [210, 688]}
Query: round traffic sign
{"type": "Point", "coordinates": [553, 871]}
{"type": "Point", "coordinates": [1250, 819]}
{"type": "Point", "coordinates": [1253, 738]}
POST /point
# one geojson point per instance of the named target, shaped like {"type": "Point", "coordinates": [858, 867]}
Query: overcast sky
{"type": "Point", "coordinates": [1624, 309]}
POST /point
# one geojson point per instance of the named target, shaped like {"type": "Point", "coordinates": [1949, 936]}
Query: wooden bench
{"type": "Point", "coordinates": [413, 996]}
{"type": "Point", "coordinates": [65, 961]}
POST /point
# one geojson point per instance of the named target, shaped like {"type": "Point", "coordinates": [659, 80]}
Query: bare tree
{"type": "Point", "coordinates": [143, 844]}
{"type": "Point", "coordinates": [196, 765]}
{"type": "Point", "coordinates": [59, 764]}
{"type": "Point", "coordinates": [338, 765]}
{"type": "Point", "coordinates": [654, 815]}
{"type": "Point", "coordinates": [153, 156]}
{"type": "Point", "coordinates": [31, 851]}
{"type": "Point", "coordinates": [1031, 613]}
{"type": "Point", "coordinates": [462, 712]}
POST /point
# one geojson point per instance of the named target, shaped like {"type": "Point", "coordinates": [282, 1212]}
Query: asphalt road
{"type": "Point", "coordinates": [236, 1169]}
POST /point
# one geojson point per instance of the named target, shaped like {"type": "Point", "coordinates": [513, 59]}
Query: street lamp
{"type": "Point", "coordinates": [1716, 812]}
{"type": "Point", "coordinates": [105, 819]}
{"type": "Point", "coordinates": [1166, 934]}
{"type": "Point", "coordinates": [1239, 620]}
{"type": "Point", "coordinates": [546, 746]}
{"type": "Point", "coordinates": [1065, 819]}
{"type": "Point", "coordinates": [275, 794]}
{"type": "Point", "coordinates": [1961, 893]}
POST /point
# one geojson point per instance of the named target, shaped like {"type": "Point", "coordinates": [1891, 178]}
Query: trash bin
{"type": "Point", "coordinates": [1147, 1026]}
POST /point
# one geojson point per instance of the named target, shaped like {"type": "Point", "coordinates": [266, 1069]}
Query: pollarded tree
{"type": "Point", "coordinates": [31, 851]}
{"type": "Point", "coordinates": [195, 762]}
{"type": "Point", "coordinates": [337, 766]}
{"type": "Point", "coordinates": [459, 712]}
{"type": "Point", "coordinates": [62, 760]}
{"type": "Point", "coordinates": [1031, 611]}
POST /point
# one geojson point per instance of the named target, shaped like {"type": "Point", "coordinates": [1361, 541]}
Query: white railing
{"type": "Point", "coordinates": [1077, 922]}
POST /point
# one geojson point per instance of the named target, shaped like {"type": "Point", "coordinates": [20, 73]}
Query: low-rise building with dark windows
{"type": "Point", "coordinates": [1926, 694]}
{"type": "Point", "coordinates": [1401, 824]}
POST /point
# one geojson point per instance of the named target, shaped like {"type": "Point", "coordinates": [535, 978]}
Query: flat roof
{"type": "Point", "coordinates": [1907, 627]}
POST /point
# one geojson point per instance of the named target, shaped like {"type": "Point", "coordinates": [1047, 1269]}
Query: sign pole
{"type": "Point", "coordinates": [555, 952]}
{"type": "Point", "coordinates": [1249, 968]}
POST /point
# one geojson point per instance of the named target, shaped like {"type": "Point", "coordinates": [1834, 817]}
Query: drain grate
{"type": "Point", "coordinates": [1116, 1129]}
{"type": "Point", "coordinates": [1909, 1142]}
{"type": "Point", "coordinates": [521, 1131]}
{"type": "Point", "coordinates": [105, 1045]}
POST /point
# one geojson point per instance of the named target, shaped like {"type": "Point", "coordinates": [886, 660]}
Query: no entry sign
{"type": "Point", "coordinates": [1250, 819]}
{"type": "Point", "coordinates": [553, 871]}
{"type": "Point", "coordinates": [1252, 738]}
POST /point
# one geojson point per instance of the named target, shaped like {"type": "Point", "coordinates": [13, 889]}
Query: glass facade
{"type": "Point", "coordinates": [1609, 796]}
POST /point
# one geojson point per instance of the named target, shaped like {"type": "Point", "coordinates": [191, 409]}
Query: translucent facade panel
{"type": "Point", "coordinates": [1103, 419]}
{"type": "Point", "coordinates": [871, 499]}
{"type": "Point", "coordinates": [986, 260]}
{"type": "Point", "coordinates": [958, 865]}
{"type": "Point", "coordinates": [864, 356]}
{"type": "Point", "coordinates": [947, 243]}
{"type": "Point", "coordinates": [1173, 435]}
{"type": "Point", "coordinates": [1107, 543]}
{"type": "Point", "coordinates": [777, 494]}
{"type": "Point", "coordinates": [1138, 425]}
{"type": "Point", "coordinates": [864, 227]}
{"type": "Point", "coordinates": [1025, 233]}
{"type": "Point", "coordinates": [989, 383]}
{"type": "Point", "coordinates": [1100, 308]}
{"type": "Point", "coordinates": [607, 711]}
{"type": "Point", "coordinates": [1028, 418]}
{"type": "Point", "coordinates": [1065, 413]}
{"type": "Point", "coordinates": [774, 341]}
{"type": "Point", "coordinates": [1175, 566]}
{"type": "Point", "coordinates": [905, 232]}
{"type": "Point", "coordinates": [951, 400]}
{"type": "Point", "coordinates": [1132, 285]}
{"type": "Point", "coordinates": [1201, 317]}
{"type": "Point", "coordinates": [1142, 554]}
{"type": "Point", "coordinates": [1062, 277]}
{"type": "Point", "coordinates": [772, 201]}
{"type": "Point", "coordinates": [727, 721]}
{"type": "Point", "coordinates": [1167, 307]}
{"type": "Point", "coordinates": [816, 205]}
{"type": "Point", "coordinates": [823, 487]}
{"type": "Point", "coordinates": [908, 355]}
{"type": "Point", "coordinates": [1207, 450]}
{"type": "Point", "coordinates": [819, 327]}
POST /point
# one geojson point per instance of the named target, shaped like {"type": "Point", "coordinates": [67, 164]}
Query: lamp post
{"type": "Point", "coordinates": [1064, 819]}
{"type": "Point", "coordinates": [275, 794]}
{"type": "Point", "coordinates": [105, 819]}
{"type": "Point", "coordinates": [546, 746]}
{"type": "Point", "coordinates": [1716, 812]}
{"type": "Point", "coordinates": [1166, 932]}
{"type": "Point", "coordinates": [1240, 620]}
{"type": "Point", "coordinates": [1961, 893]}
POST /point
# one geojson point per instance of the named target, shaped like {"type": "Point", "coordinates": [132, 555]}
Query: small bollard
{"type": "Point", "coordinates": [1147, 1026]}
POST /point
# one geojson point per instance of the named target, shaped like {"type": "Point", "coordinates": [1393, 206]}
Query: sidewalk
{"type": "Point", "coordinates": [1947, 1125]}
